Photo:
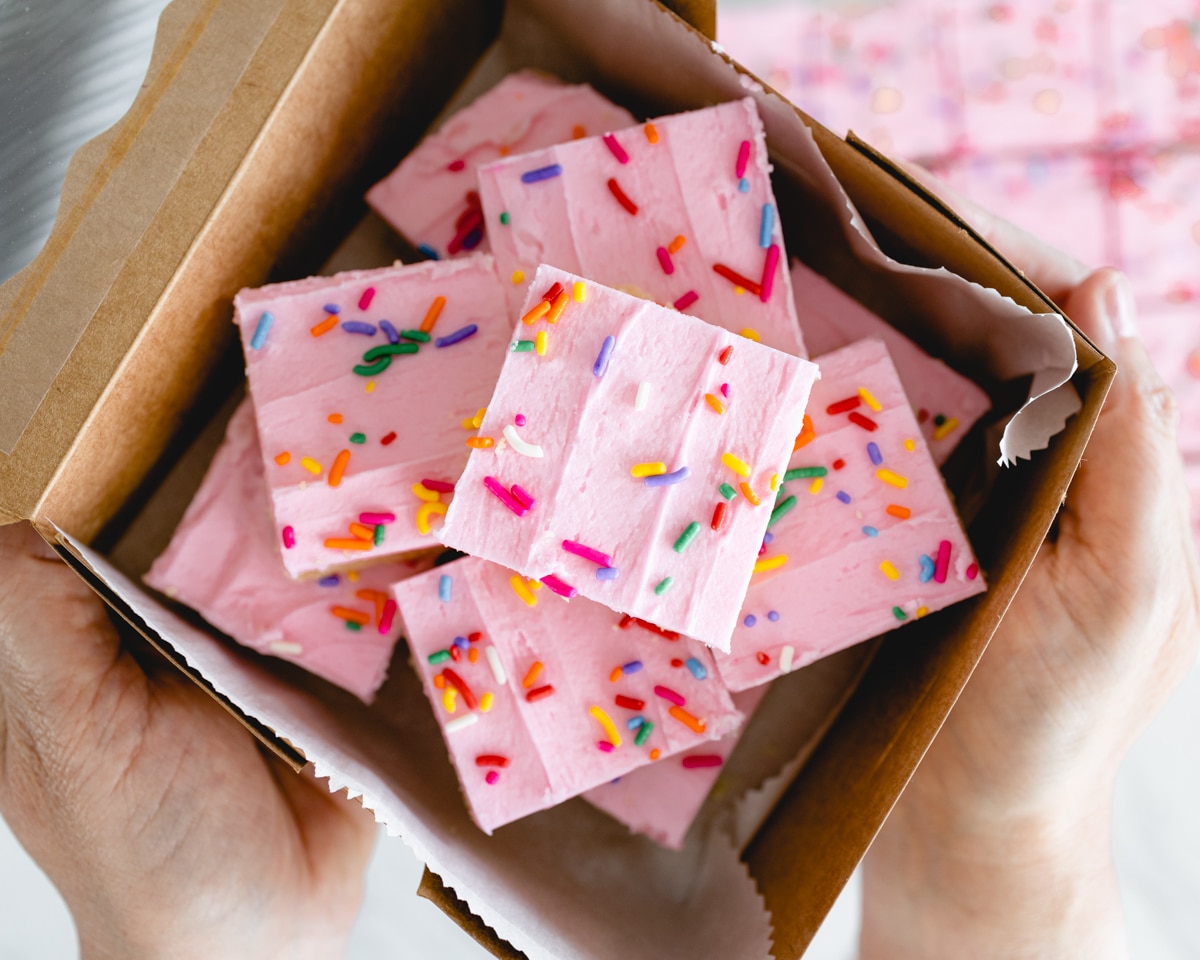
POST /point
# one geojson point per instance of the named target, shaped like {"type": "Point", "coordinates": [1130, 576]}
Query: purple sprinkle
{"type": "Point", "coordinates": [633, 666]}
{"type": "Point", "coordinates": [357, 326]}
{"type": "Point", "coordinates": [389, 331]}
{"type": "Point", "coordinates": [330, 581]}
{"type": "Point", "coordinates": [874, 454]}
{"type": "Point", "coordinates": [843, 496]}
{"type": "Point", "coordinates": [768, 537]}
{"type": "Point", "coordinates": [457, 336]}
{"type": "Point", "coordinates": [332, 308]}
{"type": "Point", "coordinates": [541, 173]}
{"type": "Point", "coordinates": [607, 573]}
{"type": "Point", "coordinates": [773, 615]}
{"type": "Point", "coordinates": [606, 350]}
{"type": "Point", "coordinates": [666, 479]}
{"type": "Point", "coordinates": [750, 620]}
{"type": "Point", "coordinates": [472, 239]}
{"type": "Point", "coordinates": [461, 642]}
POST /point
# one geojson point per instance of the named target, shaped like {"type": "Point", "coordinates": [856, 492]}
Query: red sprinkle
{"type": "Point", "coordinates": [491, 760]}
{"type": "Point", "coordinates": [843, 406]}
{"type": "Point", "coordinates": [686, 300]}
{"type": "Point", "coordinates": [743, 158]}
{"type": "Point", "coordinates": [289, 538]}
{"type": "Point", "coordinates": [629, 703]}
{"type": "Point", "coordinates": [456, 165]}
{"type": "Point", "coordinates": [737, 279]}
{"type": "Point", "coordinates": [627, 621]}
{"type": "Point", "coordinates": [838, 463]}
{"type": "Point", "coordinates": [668, 694]}
{"type": "Point", "coordinates": [553, 292]}
{"type": "Point", "coordinates": [460, 685]}
{"type": "Point", "coordinates": [768, 274]}
{"type": "Point", "coordinates": [365, 300]}
{"type": "Point", "coordinates": [922, 415]}
{"type": "Point", "coordinates": [676, 663]}
{"type": "Point", "coordinates": [972, 571]}
{"type": "Point", "coordinates": [470, 224]}
{"type": "Point", "coordinates": [697, 760]}
{"type": "Point", "coordinates": [618, 151]}
{"type": "Point", "coordinates": [385, 618]}
{"type": "Point", "coordinates": [539, 693]}
{"type": "Point", "coordinates": [622, 199]}
{"type": "Point", "coordinates": [664, 260]}
{"type": "Point", "coordinates": [438, 486]}
{"type": "Point", "coordinates": [718, 517]}
{"type": "Point", "coordinates": [455, 655]}
{"type": "Point", "coordinates": [559, 587]}
{"type": "Point", "coordinates": [604, 746]}
{"type": "Point", "coordinates": [388, 439]}
{"type": "Point", "coordinates": [724, 355]}
{"type": "Point", "coordinates": [474, 637]}
{"type": "Point", "coordinates": [943, 562]}
{"type": "Point", "coordinates": [762, 658]}
{"type": "Point", "coordinates": [865, 422]}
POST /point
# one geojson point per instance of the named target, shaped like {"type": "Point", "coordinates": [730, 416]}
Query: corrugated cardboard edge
{"type": "Point", "coordinates": [436, 892]}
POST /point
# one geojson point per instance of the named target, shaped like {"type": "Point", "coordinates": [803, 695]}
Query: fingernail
{"type": "Point", "coordinates": [1120, 306]}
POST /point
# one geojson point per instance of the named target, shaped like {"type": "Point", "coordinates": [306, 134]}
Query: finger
{"type": "Point", "coordinates": [1054, 272]}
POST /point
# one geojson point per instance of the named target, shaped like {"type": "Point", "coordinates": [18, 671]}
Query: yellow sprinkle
{"type": "Point", "coordinates": [648, 469]}
{"type": "Point", "coordinates": [422, 491]}
{"type": "Point", "coordinates": [486, 701]}
{"type": "Point", "coordinates": [714, 403]}
{"type": "Point", "coordinates": [370, 386]}
{"type": "Point", "coordinates": [774, 482]}
{"type": "Point", "coordinates": [655, 753]}
{"type": "Point", "coordinates": [283, 459]}
{"type": "Point", "coordinates": [677, 244]}
{"type": "Point", "coordinates": [910, 445]}
{"type": "Point", "coordinates": [737, 466]}
{"type": "Point", "coordinates": [539, 343]}
{"type": "Point", "coordinates": [477, 420]}
{"type": "Point", "coordinates": [534, 584]}
{"type": "Point", "coordinates": [738, 289]}
{"type": "Point", "coordinates": [469, 424]}
{"type": "Point", "coordinates": [770, 563]}
{"type": "Point", "coordinates": [450, 699]}
{"type": "Point", "coordinates": [610, 728]}
{"type": "Point", "coordinates": [749, 494]}
{"type": "Point", "coordinates": [518, 277]}
{"type": "Point", "coordinates": [311, 465]}
{"type": "Point", "coordinates": [523, 591]}
{"type": "Point", "coordinates": [651, 132]}
{"type": "Point", "coordinates": [816, 485]}
{"type": "Point", "coordinates": [947, 427]}
{"type": "Point", "coordinates": [921, 611]}
{"type": "Point", "coordinates": [352, 576]}
{"type": "Point", "coordinates": [887, 476]}
{"type": "Point", "coordinates": [750, 334]}
{"type": "Point", "coordinates": [579, 291]}
{"type": "Point", "coordinates": [424, 512]}
{"type": "Point", "coordinates": [889, 570]}
{"type": "Point", "coordinates": [869, 400]}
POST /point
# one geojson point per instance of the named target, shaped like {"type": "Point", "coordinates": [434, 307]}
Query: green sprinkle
{"type": "Point", "coordinates": [440, 657]}
{"type": "Point", "coordinates": [688, 535]}
{"type": "Point", "coordinates": [389, 350]}
{"type": "Point", "coordinates": [939, 419]}
{"type": "Point", "coordinates": [663, 586]}
{"type": "Point", "coordinates": [899, 614]}
{"type": "Point", "coordinates": [351, 625]}
{"type": "Point", "coordinates": [643, 733]}
{"type": "Point", "coordinates": [799, 473]}
{"type": "Point", "coordinates": [521, 346]}
{"type": "Point", "coordinates": [504, 218]}
{"type": "Point", "coordinates": [358, 438]}
{"type": "Point", "coordinates": [377, 539]}
{"type": "Point", "coordinates": [378, 367]}
{"type": "Point", "coordinates": [419, 335]}
{"type": "Point", "coordinates": [781, 510]}
{"type": "Point", "coordinates": [727, 491]}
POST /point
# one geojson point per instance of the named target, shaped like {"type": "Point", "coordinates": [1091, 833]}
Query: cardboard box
{"type": "Point", "coordinates": [244, 159]}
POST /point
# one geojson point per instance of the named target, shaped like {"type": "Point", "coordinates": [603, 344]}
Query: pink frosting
{"type": "Point", "coordinates": [855, 570]}
{"type": "Point", "coordinates": [684, 176]}
{"type": "Point", "coordinates": [588, 435]}
{"type": "Point", "coordinates": [223, 562]}
{"type": "Point", "coordinates": [397, 427]}
{"type": "Point", "coordinates": [832, 319]}
{"type": "Point", "coordinates": [545, 747]}
{"type": "Point", "coordinates": [428, 196]}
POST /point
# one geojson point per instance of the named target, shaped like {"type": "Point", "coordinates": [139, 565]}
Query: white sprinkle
{"type": "Point", "coordinates": [464, 721]}
{"type": "Point", "coordinates": [643, 395]}
{"type": "Point", "coordinates": [493, 659]}
{"type": "Point", "coordinates": [293, 649]}
{"type": "Point", "coordinates": [522, 447]}
{"type": "Point", "coordinates": [785, 658]}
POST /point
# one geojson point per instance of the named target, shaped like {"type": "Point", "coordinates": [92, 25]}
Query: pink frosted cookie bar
{"type": "Point", "coordinates": [540, 700]}
{"type": "Point", "coordinates": [678, 210]}
{"type": "Point", "coordinates": [611, 452]}
{"type": "Point", "coordinates": [864, 521]}
{"type": "Point", "coordinates": [662, 800]}
{"type": "Point", "coordinates": [223, 563]}
{"type": "Point", "coordinates": [1156, 71]}
{"type": "Point", "coordinates": [431, 197]}
{"type": "Point", "coordinates": [361, 385]}
{"type": "Point", "coordinates": [946, 403]}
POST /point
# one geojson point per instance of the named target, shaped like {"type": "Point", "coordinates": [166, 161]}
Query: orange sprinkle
{"type": "Point", "coordinates": [473, 656]}
{"type": "Point", "coordinates": [540, 309]}
{"type": "Point", "coordinates": [535, 671]}
{"type": "Point", "coordinates": [898, 511]}
{"type": "Point", "coordinates": [480, 443]}
{"type": "Point", "coordinates": [283, 459]}
{"type": "Point", "coordinates": [807, 434]}
{"type": "Point", "coordinates": [677, 244]}
{"type": "Point", "coordinates": [362, 531]}
{"type": "Point", "coordinates": [687, 719]}
{"type": "Point", "coordinates": [714, 403]}
{"type": "Point", "coordinates": [577, 132]}
{"type": "Point", "coordinates": [655, 753]}
{"type": "Point", "coordinates": [338, 468]}
{"type": "Point", "coordinates": [439, 681]}
{"type": "Point", "coordinates": [504, 151]}
{"type": "Point", "coordinates": [335, 418]}
{"type": "Point", "coordinates": [432, 314]}
{"type": "Point", "coordinates": [324, 326]}
{"type": "Point", "coordinates": [354, 616]}
{"type": "Point", "coordinates": [557, 308]}
{"type": "Point", "coordinates": [748, 492]}
{"type": "Point", "coordinates": [616, 675]}
{"type": "Point", "coordinates": [651, 133]}
{"type": "Point", "coordinates": [347, 543]}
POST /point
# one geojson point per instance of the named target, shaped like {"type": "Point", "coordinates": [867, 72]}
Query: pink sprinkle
{"type": "Point", "coordinates": [375, 519]}
{"type": "Point", "coordinates": [687, 300]}
{"type": "Point", "coordinates": [588, 553]}
{"type": "Point", "coordinates": [972, 571]}
{"type": "Point", "coordinates": [438, 486]}
{"type": "Point", "coordinates": [743, 159]}
{"type": "Point", "coordinates": [618, 151]}
{"type": "Point", "coordinates": [943, 562]}
{"type": "Point", "coordinates": [520, 420]}
{"type": "Point", "coordinates": [768, 274]}
{"type": "Point", "coordinates": [701, 760]}
{"type": "Point", "coordinates": [725, 390]}
{"type": "Point", "coordinates": [289, 538]}
{"type": "Point", "coordinates": [668, 694]}
{"type": "Point", "coordinates": [505, 497]}
{"type": "Point", "coordinates": [456, 165]}
{"type": "Point", "coordinates": [664, 260]}
{"type": "Point", "coordinates": [523, 497]}
{"type": "Point", "coordinates": [492, 777]}
{"type": "Point", "coordinates": [365, 300]}
{"type": "Point", "coordinates": [562, 589]}
{"type": "Point", "coordinates": [604, 745]}
{"type": "Point", "coordinates": [385, 618]}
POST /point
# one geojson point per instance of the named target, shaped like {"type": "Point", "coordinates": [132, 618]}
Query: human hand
{"type": "Point", "coordinates": [167, 829]}
{"type": "Point", "coordinates": [1000, 845]}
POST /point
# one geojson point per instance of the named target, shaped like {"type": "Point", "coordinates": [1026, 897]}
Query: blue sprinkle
{"type": "Point", "coordinates": [634, 722]}
{"type": "Point", "coordinates": [606, 350]}
{"type": "Point", "coordinates": [428, 251]}
{"type": "Point", "coordinates": [462, 643]}
{"type": "Point", "coordinates": [607, 573]}
{"type": "Point", "coordinates": [766, 226]}
{"type": "Point", "coordinates": [870, 531]}
{"type": "Point", "coordinates": [768, 537]}
{"type": "Point", "coordinates": [541, 173]}
{"type": "Point", "coordinates": [843, 496]}
{"type": "Point", "coordinates": [666, 479]}
{"type": "Point", "coordinates": [457, 336]}
{"type": "Point", "coordinates": [330, 581]}
{"type": "Point", "coordinates": [927, 568]}
{"type": "Point", "coordinates": [633, 666]}
{"type": "Point", "coordinates": [332, 308]}
{"type": "Point", "coordinates": [743, 185]}
{"type": "Point", "coordinates": [750, 620]}
{"type": "Point", "coordinates": [874, 454]}
{"type": "Point", "coordinates": [773, 615]}
{"type": "Point", "coordinates": [389, 331]}
{"type": "Point", "coordinates": [444, 588]}
{"type": "Point", "coordinates": [357, 326]}
{"type": "Point", "coordinates": [261, 331]}
{"type": "Point", "coordinates": [696, 668]}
